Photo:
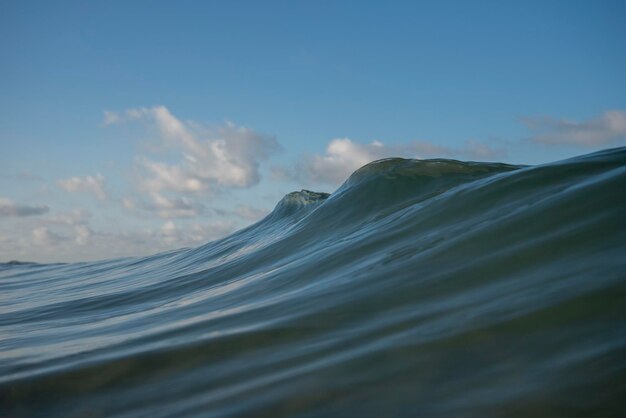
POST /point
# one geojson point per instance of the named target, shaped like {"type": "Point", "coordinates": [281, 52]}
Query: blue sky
{"type": "Point", "coordinates": [133, 127]}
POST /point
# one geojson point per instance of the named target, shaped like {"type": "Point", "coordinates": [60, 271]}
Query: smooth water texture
{"type": "Point", "coordinates": [432, 288]}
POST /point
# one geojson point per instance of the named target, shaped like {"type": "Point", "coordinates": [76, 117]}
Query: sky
{"type": "Point", "coordinates": [133, 127]}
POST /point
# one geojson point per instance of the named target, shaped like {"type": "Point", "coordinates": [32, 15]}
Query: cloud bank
{"type": "Point", "coordinates": [9, 208]}
{"type": "Point", "coordinates": [187, 163]}
{"type": "Point", "coordinates": [88, 184]}
{"type": "Point", "coordinates": [165, 207]}
{"type": "Point", "coordinates": [207, 157]}
{"type": "Point", "coordinates": [343, 156]}
{"type": "Point", "coordinates": [601, 131]}
{"type": "Point", "coordinates": [69, 236]}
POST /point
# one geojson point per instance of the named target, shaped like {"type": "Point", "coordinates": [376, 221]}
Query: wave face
{"type": "Point", "coordinates": [431, 288]}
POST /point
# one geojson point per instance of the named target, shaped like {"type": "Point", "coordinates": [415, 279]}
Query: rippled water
{"type": "Point", "coordinates": [419, 288]}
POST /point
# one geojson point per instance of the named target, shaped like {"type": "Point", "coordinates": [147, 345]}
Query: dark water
{"type": "Point", "coordinates": [429, 288]}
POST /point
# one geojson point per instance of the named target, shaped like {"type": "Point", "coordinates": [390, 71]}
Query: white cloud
{"type": "Point", "coordinates": [50, 239]}
{"type": "Point", "coordinates": [171, 235]}
{"type": "Point", "coordinates": [129, 203]}
{"type": "Point", "coordinates": [111, 118]}
{"type": "Point", "coordinates": [223, 156]}
{"type": "Point", "coordinates": [44, 237]}
{"type": "Point", "coordinates": [165, 207]}
{"type": "Point", "coordinates": [89, 184]}
{"type": "Point", "coordinates": [82, 234]}
{"type": "Point", "coordinates": [343, 156]}
{"type": "Point", "coordinates": [165, 177]}
{"type": "Point", "coordinates": [604, 130]}
{"type": "Point", "coordinates": [9, 208]}
{"type": "Point", "coordinates": [61, 233]}
{"type": "Point", "coordinates": [71, 218]}
{"type": "Point", "coordinates": [177, 207]}
{"type": "Point", "coordinates": [168, 232]}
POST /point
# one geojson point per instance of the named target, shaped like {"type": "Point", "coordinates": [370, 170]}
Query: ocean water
{"type": "Point", "coordinates": [432, 288]}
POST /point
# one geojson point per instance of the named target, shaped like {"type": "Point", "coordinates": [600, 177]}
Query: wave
{"type": "Point", "coordinates": [418, 288]}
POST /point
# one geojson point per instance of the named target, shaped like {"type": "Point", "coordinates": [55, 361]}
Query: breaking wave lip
{"type": "Point", "coordinates": [419, 287]}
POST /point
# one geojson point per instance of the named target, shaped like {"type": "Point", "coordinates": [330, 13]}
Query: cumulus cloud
{"type": "Point", "coordinates": [111, 118]}
{"type": "Point", "coordinates": [173, 207]}
{"type": "Point", "coordinates": [604, 130]}
{"type": "Point", "coordinates": [194, 234]}
{"type": "Point", "coordinates": [170, 235]}
{"type": "Point", "coordinates": [44, 237]}
{"type": "Point", "coordinates": [166, 177]}
{"type": "Point", "coordinates": [69, 237]}
{"type": "Point", "coordinates": [9, 208]}
{"type": "Point", "coordinates": [71, 218]}
{"type": "Point", "coordinates": [89, 184]}
{"type": "Point", "coordinates": [208, 157]}
{"type": "Point", "coordinates": [343, 156]}
{"type": "Point", "coordinates": [163, 206]}
{"type": "Point", "coordinates": [82, 234]}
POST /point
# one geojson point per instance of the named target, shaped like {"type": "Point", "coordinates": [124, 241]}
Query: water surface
{"type": "Point", "coordinates": [432, 288]}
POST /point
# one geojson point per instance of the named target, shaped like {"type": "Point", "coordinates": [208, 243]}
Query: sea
{"type": "Point", "coordinates": [419, 288]}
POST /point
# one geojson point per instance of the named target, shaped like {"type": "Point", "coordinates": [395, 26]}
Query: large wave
{"type": "Point", "coordinates": [418, 288]}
